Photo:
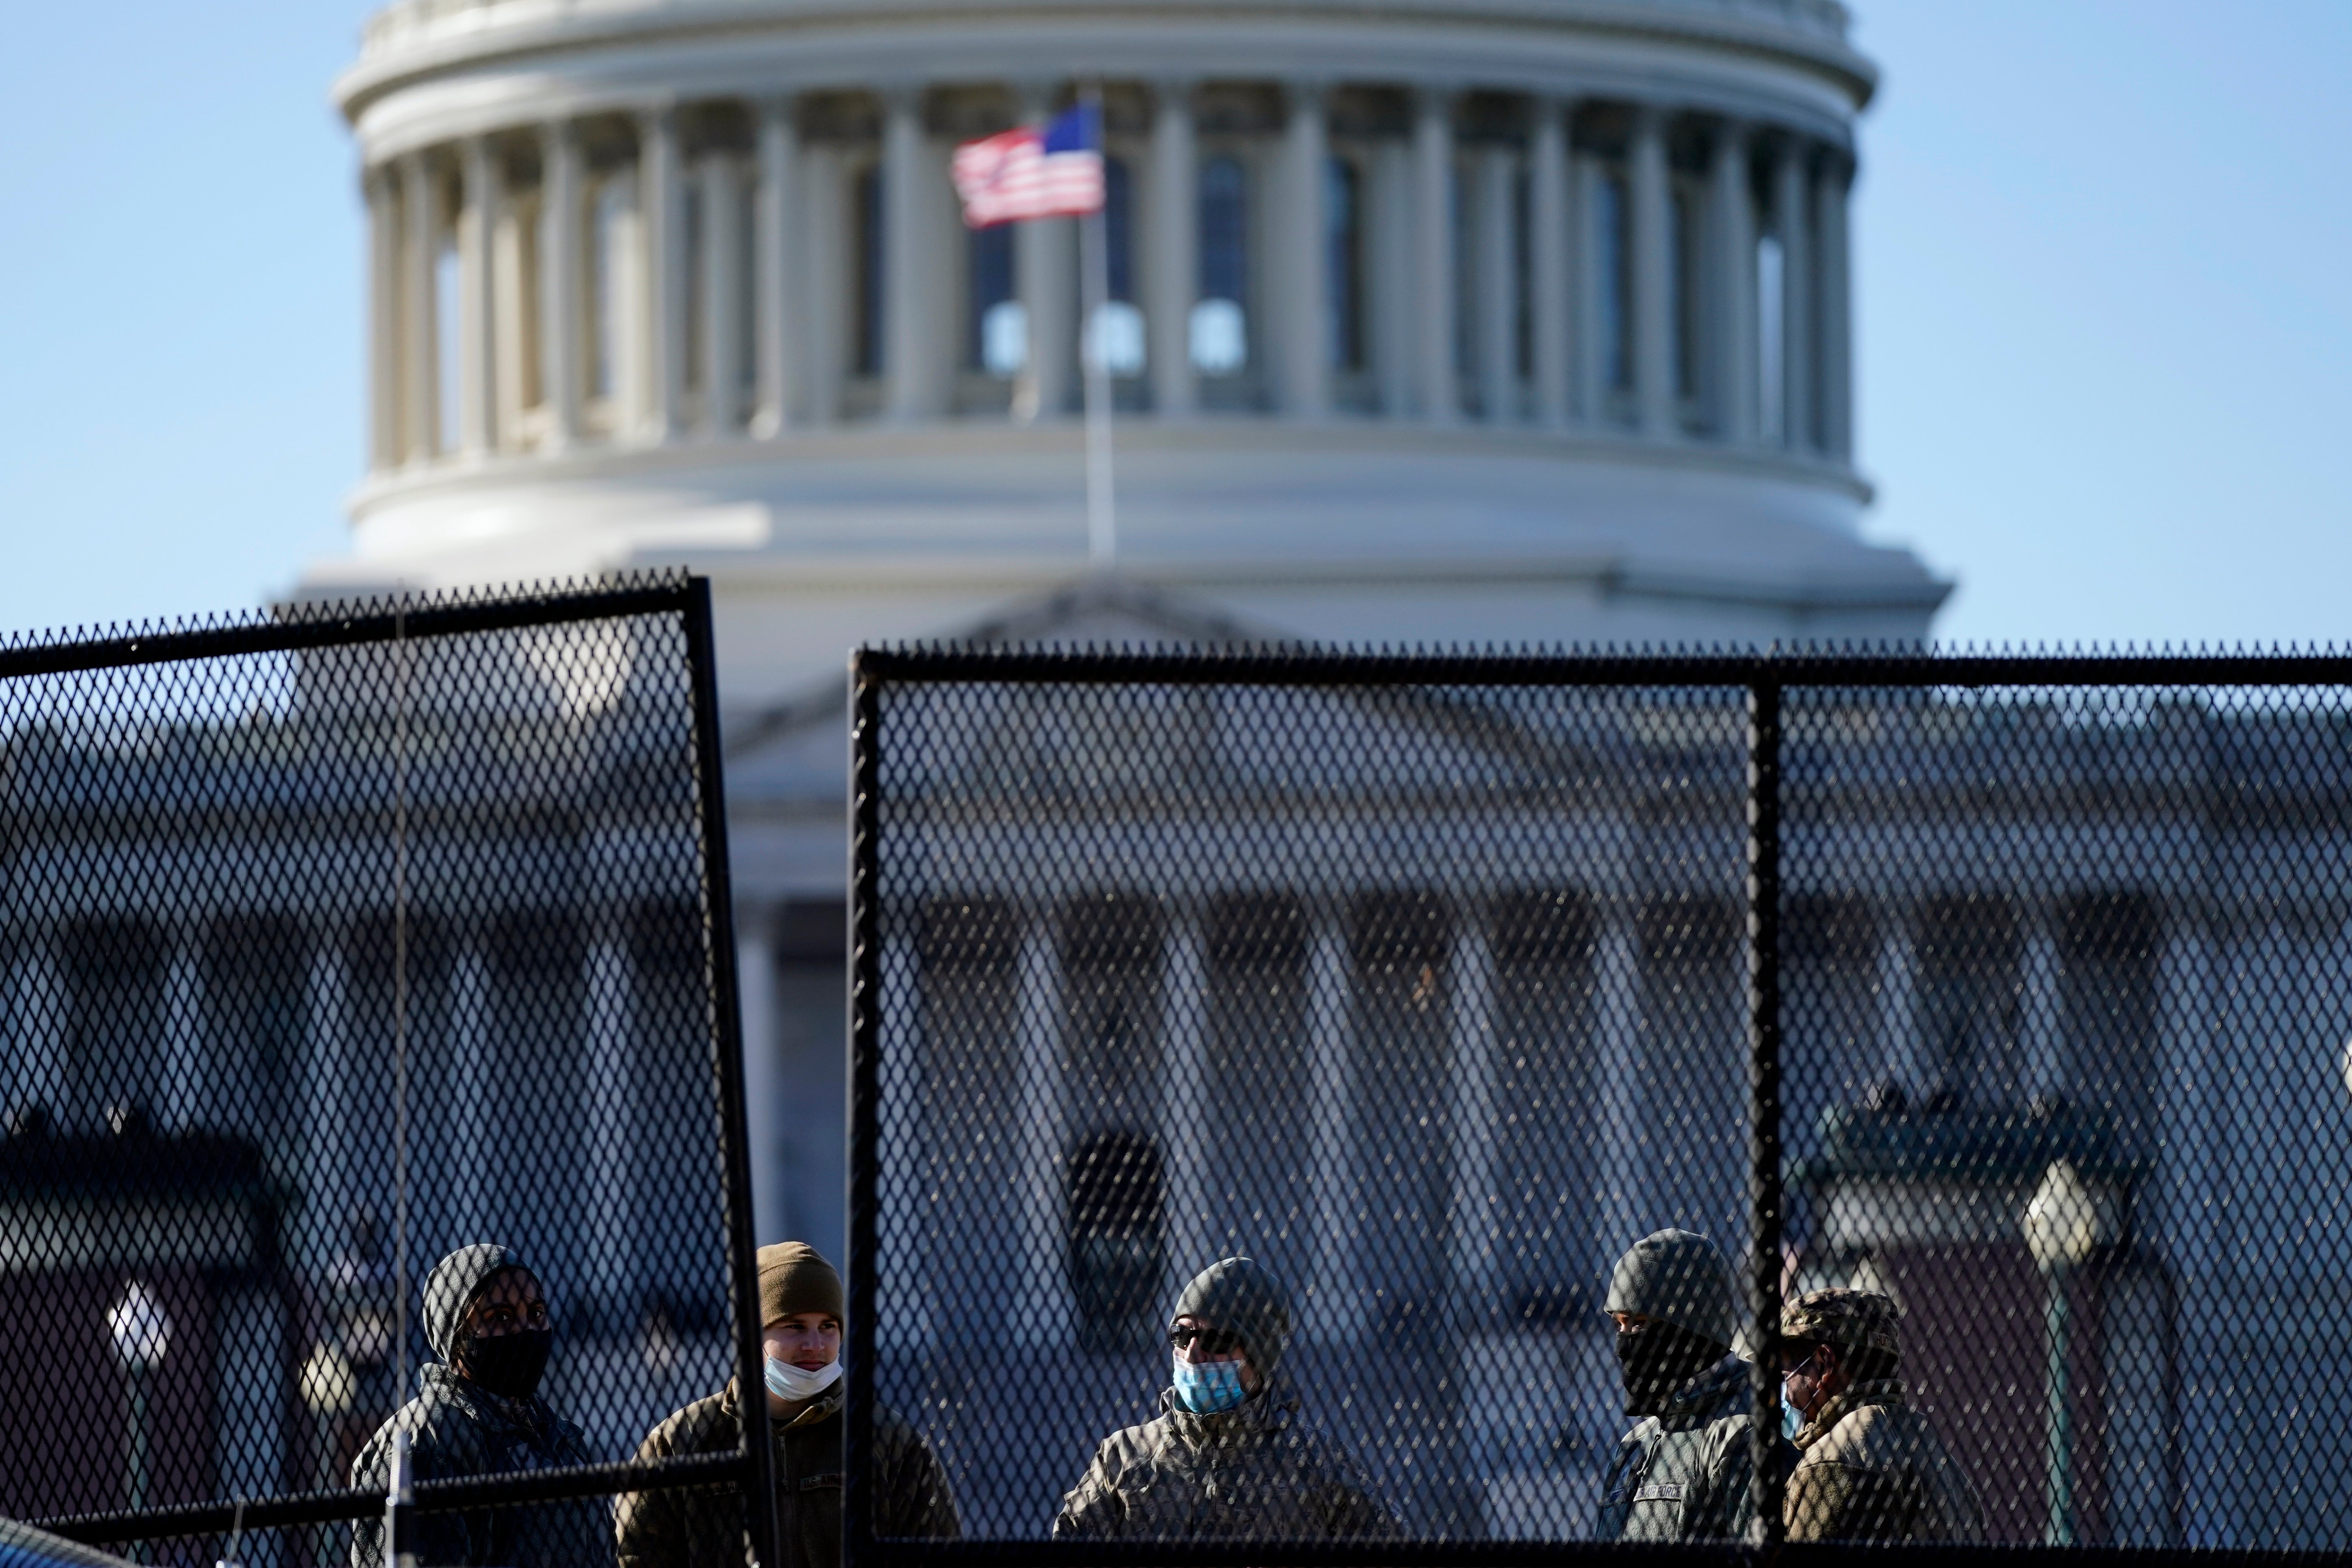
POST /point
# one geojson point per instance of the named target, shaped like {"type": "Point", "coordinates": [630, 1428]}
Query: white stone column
{"type": "Point", "coordinates": [1623, 1213]}
{"type": "Point", "coordinates": [1186, 1111]}
{"type": "Point", "coordinates": [1898, 1015]}
{"type": "Point", "coordinates": [561, 318]}
{"type": "Point", "coordinates": [660, 203]}
{"type": "Point", "coordinates": [1334, 1309]}
{"type": "Point", "coordinates": [329, 1113]}
{"type": "Point", "coordinates": [1549, 291]}
{"type": "Point", "coordinates": [823, 298]}
{"type": "Point", "coordinates": [2044, 1068]}
{"type": "Point", "coordinates": [1471, 1240]}
{"type": "Point", "coordinates": [1046, 272]}
{"type": "Point", "coordinates": [906, 308]}
{"type": "Point", "coordinates": [1590, 374]}
{"type": "Point", "coordinates": [1173, 258]}
{"type": "Point", "coordinates": [420, 356]}
{"type": "Point", "coordinates": [772, 276]}
{"type": "Point", "coordinates": [477, 347]}
{"type": "Point", "coordinates": [1302, 258]}
{"type": "Point", "coordinates": [188, 1067]}
{"type": "Point", "coordinates": [39, 1006]}
{"type": "Point", "coordinates": [384, 448]}
{"type": "Point", "coordinates": [469, 1090]}
{"type": "Point", "coordinates": [1653, 277]}
{"type": "Point", "coordinates": [1497, 307]}
{"type": "Point", "coordinates": [763, 1087]}
{"type": "Point", "coordinates": [723, 295]}
{"type": "Point", "coordinates": [1046, 1314]}
{"type": "Point", "coordinates": [1433, 164]}
{"type": "Point", "coordinates": [610, 1091]}
{"type": "Point", "coordinates": [1833, 304]}
{"type": "Point", "coordinates": [1733, 250]}
{"type": "Point", "coordinates": [1793, 221]}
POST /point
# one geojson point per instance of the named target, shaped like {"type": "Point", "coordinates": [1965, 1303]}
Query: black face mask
{"type": "Point", "coordinates": [1657, 1359]}
{"type": "Point", "coordinates": [509, 1365]}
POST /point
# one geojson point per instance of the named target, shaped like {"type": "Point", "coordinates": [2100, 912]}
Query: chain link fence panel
{"type": "Point", "coordinates": [334, 941]}
{"type": "Point", "coordinates": [2005, 1001]}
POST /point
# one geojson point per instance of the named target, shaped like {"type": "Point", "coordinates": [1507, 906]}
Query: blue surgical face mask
{"type": "Point", "coordinates": [1792, 1420]}
{"type": "Point", "coordinates": [1207, 1387]}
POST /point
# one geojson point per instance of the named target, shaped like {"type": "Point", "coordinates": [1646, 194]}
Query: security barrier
{"type": "Point", "coordinates": [336, 940]}
{"type": "Point", "coordinates": [2013, 992]}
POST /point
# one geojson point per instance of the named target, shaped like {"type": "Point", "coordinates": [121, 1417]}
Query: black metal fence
{"type": "Point", "coordinates": [336, 940]}
{"type": "Point", "coordinates": [2014, 990]}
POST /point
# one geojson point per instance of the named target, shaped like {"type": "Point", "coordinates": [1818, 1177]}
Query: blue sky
{"type": "Point", "coordinates": [2103, 264]}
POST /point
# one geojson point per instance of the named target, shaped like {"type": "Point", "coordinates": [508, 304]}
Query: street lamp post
{"type": "Point", "coordinates": [143, 1334]}
{"type": "Point", "coordinates": [2063, 1225]}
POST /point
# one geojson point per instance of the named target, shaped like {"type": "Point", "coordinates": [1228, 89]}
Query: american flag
{"type": "Point", "coordinates": [1055, 170]}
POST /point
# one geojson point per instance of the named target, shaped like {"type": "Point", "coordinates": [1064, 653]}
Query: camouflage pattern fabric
{"type": "Point", "coordinates": [1256, 1473]}
{"type": "Point", "coordinates": [683, 1526]}
{"type": "Point", "coordinates": [1851, 1320]}
{"type": "Point", "coordinates": [1874, 1469]}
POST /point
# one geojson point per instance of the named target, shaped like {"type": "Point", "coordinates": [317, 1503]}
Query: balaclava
{"type": "Point", "coordinates": [509, 1365]}
{"type": "Point", "coordinates": [1679, 1280]}
{"type": "Point", "coordinates": [1239, 1295]}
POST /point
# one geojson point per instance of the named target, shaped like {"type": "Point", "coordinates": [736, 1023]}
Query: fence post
{"type": "Point", "coordinates": [726, 1003]}
{"type": "Point", "coordinates": [864, 1336]}
{"type": "Point", "coordinates": [1764, 1099]}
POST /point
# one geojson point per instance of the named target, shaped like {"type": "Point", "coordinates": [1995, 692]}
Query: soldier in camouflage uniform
{"type": "Point", "coordinates": [1872, 1468]}
{"type": "Point", "coordinates": [800, 1312]}
{"type": "Point", "coordinates": [1228, 1458]}
{"type": "Point", "coordinates": [1683, 1472]}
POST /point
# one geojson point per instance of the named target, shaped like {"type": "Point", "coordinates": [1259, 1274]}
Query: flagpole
{"type": "Point", "coordinates": [1094, 265]}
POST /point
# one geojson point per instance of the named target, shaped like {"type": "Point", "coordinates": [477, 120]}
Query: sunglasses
{"type": "Point", "coordinates": [1212, 1341]}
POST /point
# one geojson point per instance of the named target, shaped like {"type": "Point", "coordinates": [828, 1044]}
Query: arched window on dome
{"type": "Point", "coordinates": [695, 220]}
{"type": "Point", "coordinates": [1218, 332]}
{"type": "Point", "coordinates": [1118, 226]}
{"type": "Point", "coordinates": [449, 328]}
{"type": "Point", "coordinates": [1768, 339]}
{"type": "Point", "coordinates": [996, 325]}
{"type": "Point", "coordinates": [1343, 208]}
{"type": "Point", "coordinates": [1119, 328]}
{"type": "Point", "coordinates": [1612, 262]}
{"type": "Point", "coordinates": [869, 289]}
{"type": "Point", "coordinates": [1685, 289]}
{"type": "Point", "coordinates": [610, 257]}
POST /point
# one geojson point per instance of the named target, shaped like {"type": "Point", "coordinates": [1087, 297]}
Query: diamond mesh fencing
{"type": "Point", "coordinates": [336, 943]}
{"type": "Point", "coordinates": [1574, 1047]}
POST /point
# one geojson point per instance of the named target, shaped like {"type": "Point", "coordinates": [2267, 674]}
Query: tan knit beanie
{"type": "Point", "coordinates": [794, 1278]}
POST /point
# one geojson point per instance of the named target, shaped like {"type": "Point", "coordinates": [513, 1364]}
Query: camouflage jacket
{"type": "Point", "coordinates": [1684, 1475]}
{"type": "Point", "coordinates": [1257, 1473]}
{"type": "Point", "coordinates": [702, 1526]}
{"type": "Point", "coordinates": [1874, 1469]}
{"type": "Point", "coordinates": [459, 1429]}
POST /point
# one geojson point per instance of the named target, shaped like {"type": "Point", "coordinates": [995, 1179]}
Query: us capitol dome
{"type": "Point", "coordinates": [1431, 321]}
